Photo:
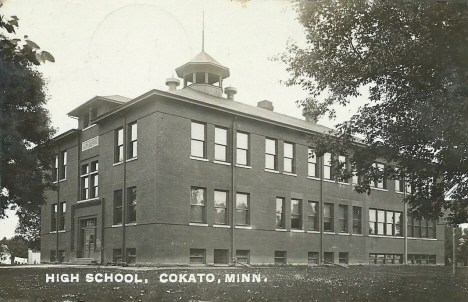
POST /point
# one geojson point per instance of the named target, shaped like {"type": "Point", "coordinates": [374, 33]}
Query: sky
{"type": "Point", "coordinates": [124, 47]}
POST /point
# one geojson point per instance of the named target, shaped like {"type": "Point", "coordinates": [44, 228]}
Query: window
{"type": "Point", "coordinates": [355, 178]}
{"type": "Point", "coordinates": [242, 157]}
{"type": "Point", "coordinates": [63, 210]}
{"type": "Point", "coordinates": [327, 168]}
{"type": "Point", "coordinates": [280, 257]}
{"type": "Point", "coordinates": [280, 213]}
{"type": "Point", "coordinates": [357, 220]}
{"type": "Point", "coordinates": [329, 257]}
{"type": "Point", "coordinates": [89, 180]}
{"type": "Point", "coordinates": [198, 140]}
{"type": "Point", "coordinates": [61, 258]}
{"type": "Point", "coordinates": [312, 214]}
{"type": "Point", "coordinates": [131, 256]}
{"type": "Point", "coordinates": [197, 205]}
{"type": "Point", "coordinates": [343, 218]}
{"type": "Point", "coordinates": [312, 166]}
{"type": "Point", "coordinates": [118, 149]}
{"type": "Point", "coordinates": [421, 259]}
{"type": "Point", "coordinates": [132, 149]}
{"type": "Point", "coordinates": [296, 211]}
{"type": "Point", "coordinates": [117, 255]}
{"type": "Point", "coordinates": [221, 256]}
{"type": "Point", "coordinates": [289, 158]}
{"type": "Point", "coordinates": [409, 227]}
{"type": "Point", "coordinates": [197, 256]}
{"type": "Point", "coordinates": [342, 159]}
{"type": "Point", "coordinates": [343, 257]}
{"type": "Point", "coordinates": [55, 170]}
{"type": "Point", "coordinates": [242, 209]}
{"type": "Point", "coordinates": [63, 165]}
{"type": "Point", "coordinates": [221, 207]}
{"type": "Point", "coordinates": [382, 222]}
{"type": "Point", "coordinates": [220, 144]}
{"type": "Point", "coordinates": [312, 257]}
{"type": "Point", "coordinates": [380, 183]}
{"type": "Point", "coordinates": [270, 154]}
{"type": "Point", "coordinates": [243, 256]}
{"type": "Point", "coordinates": [53, 226]}
{"type": "Point", "coordinates": [131, 204]}
{"type": "Point", "coordinates": [399, 185]}
{"type": "Point", "coordinates": [53, 255]}
{"type": "Point", "coordinates": [328, 217]}
{"type": "Point", "coordinates": [421, 228]}
{"type": "Point", "coordinates": [386, 258]}
{"type": "Point", "coordinates": [118, 207]}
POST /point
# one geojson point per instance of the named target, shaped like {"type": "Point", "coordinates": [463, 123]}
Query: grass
{"type": "Point", "coordinates": [358, 283]}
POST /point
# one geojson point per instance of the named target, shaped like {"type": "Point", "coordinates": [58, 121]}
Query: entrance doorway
{"type": "Point", "coordinates": [88, 237]}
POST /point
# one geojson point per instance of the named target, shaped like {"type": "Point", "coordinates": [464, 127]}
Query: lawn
{"type": "Point", "coordinates": [358, 283]}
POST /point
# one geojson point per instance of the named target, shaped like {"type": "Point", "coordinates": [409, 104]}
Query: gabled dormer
{"type": "Point", "coordinates": [96, 106]}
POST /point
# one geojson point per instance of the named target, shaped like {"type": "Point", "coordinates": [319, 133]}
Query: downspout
{"type": "Point", "coordinates": [405, 224]}
{"type": "Point", "coordinates": [233, 183]}
{"type": "Point", "coordinates": [102, 230]}
{"type": "Point", "coordinates": [124, 193]}
{"type": "Point", "coordinates": [321, 210]}
{"type": "Point", "coordinates": [58, 207]}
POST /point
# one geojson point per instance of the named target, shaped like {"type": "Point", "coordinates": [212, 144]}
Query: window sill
{"type": "Point", "coordinates": [416, 238]}
{"type": "Point", "coordinates": [62, 180]}
{"type": "Point", "coordinates": [199, 158]}
{"type": "Point", "coordinates": [61, 231]}
{"type": "Point", "coordinates": [344, 234]}
{"type": "Point", "coordinates": [221, 163]}
{"type": "Point", "coordinates": [290, 174]}
{"type": "Point", "coordinates": [89, 127]}
{"type": "Point", "coordinates": [198, 224]}
{"type": "Point", "coordinates": [386, 236]}
{"type": "Point", "coordinates": [53, 232]}
{"type": "Point", "coordinates": [245, 227]}
{"type": "Point", "coordinates": [313, 232]}
{"type": "Point", "coordinates": [361, 235]}
{"type": "Point", "coordinates": [399, 192]}
{"type": "Point", "coordinates": [116, 225]}
{"type": "Point", "coordinates": [272, 171]}
{"type": "Point", "coordinates": [242, 166]}
{"type": "Point", "coordinates": [131, 224]}
{"type": "Point", "coordinates": [343, 183]}
{"type": "Point", "coordinates": [54, 182]}
{"type": "Point", "coordinates": [313, 178]}
{"type": "Point", "coordinates": [280, 230]}
{"type": "Point", "coordinates": [379, 189]}
{"type": "Point", "coordinates": [118, 163]}
{"type": "Point", "coordinates": [329, 233]}
{"type": "Point", "coordinates": [87, 200]}
{"type": "Point", "coordinates": [132, 159]}
{"type": "Point", "coordinates": [329, 180]}
{"type": "Point", "coordinates": [297, 231]}
{"type": "Point", "coordinates": [221, 226]}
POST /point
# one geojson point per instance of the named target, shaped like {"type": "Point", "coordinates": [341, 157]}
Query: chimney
{"type": "Point", "coordinates": [230, 92]}
{"type": "Point", "coordinates": [308, 116]}
{"type": "Point", "coordinates": [172, 83]}
{"type": "Point", "coordinates": [266, 105]}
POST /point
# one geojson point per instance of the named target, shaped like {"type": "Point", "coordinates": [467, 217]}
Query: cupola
{"type": "Point", "coordinates": [203, 73]}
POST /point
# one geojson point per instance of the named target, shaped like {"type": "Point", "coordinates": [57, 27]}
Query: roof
{"type": "Point", "coordinates": [203, 57]}
{"type": "Point", "coordinates": [218, 103]}
{"type": "Point", "coordinates": [250, 110]}
{"type": "Point", "coordinates": [117, 99]}
{"type": "Point", "coordinates": [65, 134]}
{"type": "Point", "coordinates": [202, 62]}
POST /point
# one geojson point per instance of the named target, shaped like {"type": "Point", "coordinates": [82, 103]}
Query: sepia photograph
{"type": "Point", "coordinates": [233, 150]}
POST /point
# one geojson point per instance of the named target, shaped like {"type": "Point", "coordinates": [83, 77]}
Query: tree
{"type": "Point", "coordinates": [25, 128]}
{"type": "Point", "coordinates": [17, 246]}
{"type": "Point", "coordinates": [411, 57]}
